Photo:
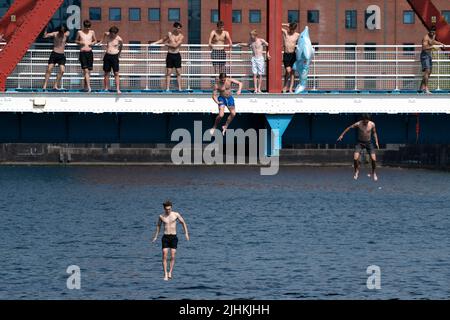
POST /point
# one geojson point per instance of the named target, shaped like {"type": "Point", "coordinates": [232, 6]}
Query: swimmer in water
{"type": "Point", "coordinates": [169, 239]}
{"type": "Point", "coordinates": [365, 130]}
{"type": "Point", "coordinates": [222, 96]}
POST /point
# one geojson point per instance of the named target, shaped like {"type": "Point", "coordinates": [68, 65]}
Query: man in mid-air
{"type": "Point", "coordinates": [169, 239]}
{"type": "Point", "coordinates": [365, 130]}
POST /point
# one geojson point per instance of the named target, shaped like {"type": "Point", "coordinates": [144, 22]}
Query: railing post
{"type": "Point", "coordinates": [396, 68]}
{"type": "Point", "coordinates": [356, 67]}
{"type": "Point", "coordinates": [438, 70]}
{"type": "Point", "coordinates": [147, 63]}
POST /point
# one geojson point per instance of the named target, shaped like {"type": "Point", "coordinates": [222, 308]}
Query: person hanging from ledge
{"type": "Point", "coordinates": [57, 57]}
{"type": "Point", "coordinates": [114, 45]}
{"type": "Point", "coordinates": [173, 41]}
{"type": "Point", "coordinates": [86, 39]}
{"type": "Point", "coordinates": [222, 96]}
{"type": "Point", "coordinates": [366, 129]}
{"type": "Point", "coordinates": [428, 44]}
{"type": "Point", "coordinates": [216, 42]}
{"type": "Point", "coordinates": [258, 61]}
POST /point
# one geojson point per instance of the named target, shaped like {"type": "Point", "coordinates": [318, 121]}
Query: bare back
{"type": "Point", "coordinates": [59, 41]}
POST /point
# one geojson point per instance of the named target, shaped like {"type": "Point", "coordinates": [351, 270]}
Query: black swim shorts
{"type": "Point", "coordinates": [169, 241]}
{"type": "Point", "coordinates": [289, 59]}
{"type": "Point", "coordinates": [218, 57]}
{"type": "Point", "coordinates": [173, 60]}
{"type": "Point", "coordinates": [111, 61]}
{"type": "Point", "coordinates": [87, 60]}
{"type": "Point", "coordinates": [365, 145]}
{"type": "Point", "coordinates": [57, 59]}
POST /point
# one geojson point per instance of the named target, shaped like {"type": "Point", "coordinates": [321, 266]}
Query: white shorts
{"type": "Point", "coordinates": [258, 65]}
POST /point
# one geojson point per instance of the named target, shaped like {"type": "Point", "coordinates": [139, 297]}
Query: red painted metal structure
{"type": "Point", "coordinates": [21, 25]}
{"type": "Point", "coordinates": [226, 15]}
{"type": "Point", "coordinates": [431, 16]}
{"type": "Point", "coordinates": [274, 21]}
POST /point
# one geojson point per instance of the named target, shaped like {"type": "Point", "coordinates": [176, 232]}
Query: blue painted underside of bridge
{"type": "Point", "coordinates": [157, 128]}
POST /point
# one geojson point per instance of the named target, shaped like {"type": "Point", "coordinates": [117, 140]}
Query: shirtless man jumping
{"type": "Point", "coordinates": [86, 39]}
{"type": "Point", "coordinates": [169, 239]}
{"type": "Point", "coordinates": [365, 130]}
{"type": "Point", "coordinates": [173, 41]}
{"type": "Point", "coordinates": [290, 38]}
{"type": "Point", "coordinates": [57, 57]}
{"type": "Point", "coordinates": [222, 96]}
{"type": "Point", "coordinates": [216, 42]}
{"type": "Point", "coordinates": [114, 45]}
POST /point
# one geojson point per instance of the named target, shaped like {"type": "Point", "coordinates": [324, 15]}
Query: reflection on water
{"type": "Point", "coordinates": [305, 233]}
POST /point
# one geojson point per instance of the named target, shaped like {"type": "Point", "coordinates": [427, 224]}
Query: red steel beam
{"type": "Point", "coordinates": [31, 16]}
{"type": "Point", "coordinates": [274, 21]}
{"type": "Point", "coordinates": [226, 15]}
{"type": "Point", "coordinates": [431, 16]}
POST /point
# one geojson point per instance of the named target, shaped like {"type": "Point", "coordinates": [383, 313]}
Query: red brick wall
{"type": "Point", "coordinates": [330, 29]}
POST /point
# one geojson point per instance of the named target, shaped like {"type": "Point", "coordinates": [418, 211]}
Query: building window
{"type": "Point", "coordinates": [135, 46]}
{"type": "Point", "coordinates": [4, 6]}
{"type": "Point", "coordinates": [134, 14]}
{"type": "Point", "coordinates": [408, 17]}
{"type": "Point", "coordinates": [315, 46]}
{"type": "Point", "coordinates": [350, 19]}
{"type": "Point", "coordinates": [214, 15]}
{"type": "Point", "coordinates": [254, 16]}
{"type": "Point", "coordinates": [313, 16]}
{"type": "Point", "coordinates": [350, 51]}
{"type": "Point", "coordinates": [174, 14]}
{"type": "Point", "coordinates": [293, 16]}
{"type": "Point", "coordinates": [446, 15]}
{"type": "Point", "coordinates": [154, 14]}
{"type": "Point", "coordinates": [115, 14]}
{"type": "Point", "coordinates": [237, 16]}
{"type": "Point", "coordinates": [369, 51]}
{"type": "Point", "coordinates": [408, 49]}
{"type": "Point", "coordinates": [95, 14]}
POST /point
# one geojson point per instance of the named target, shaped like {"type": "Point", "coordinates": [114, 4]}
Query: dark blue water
{"type": "Point", "coordinates": [305, 233]}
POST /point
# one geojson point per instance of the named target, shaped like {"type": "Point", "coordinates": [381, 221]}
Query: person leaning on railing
{"type": "Point", "coordinates": [173, 41]}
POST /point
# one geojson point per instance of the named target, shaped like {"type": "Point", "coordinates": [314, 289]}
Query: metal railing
{"type": "Point", "coordinates": [334, 67]}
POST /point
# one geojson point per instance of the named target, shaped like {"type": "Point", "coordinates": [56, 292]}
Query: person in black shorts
{"type": "Point", "coordinates": [57, 57]}
{"type": "Point", "coordinates": [86, 39]}
{"type": "Point", "coordinates": [428, 43]}
{"type": "Point", "coordinates": [366, 129]}
{"type": "Point", "coordinates": [290, 38]}
{"type": "Point", "coordinates": [173, 41]}
{"type": "Point", "coordinates": [114, 45]}
{"type": "Point", "coordinates": [169, 240]}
